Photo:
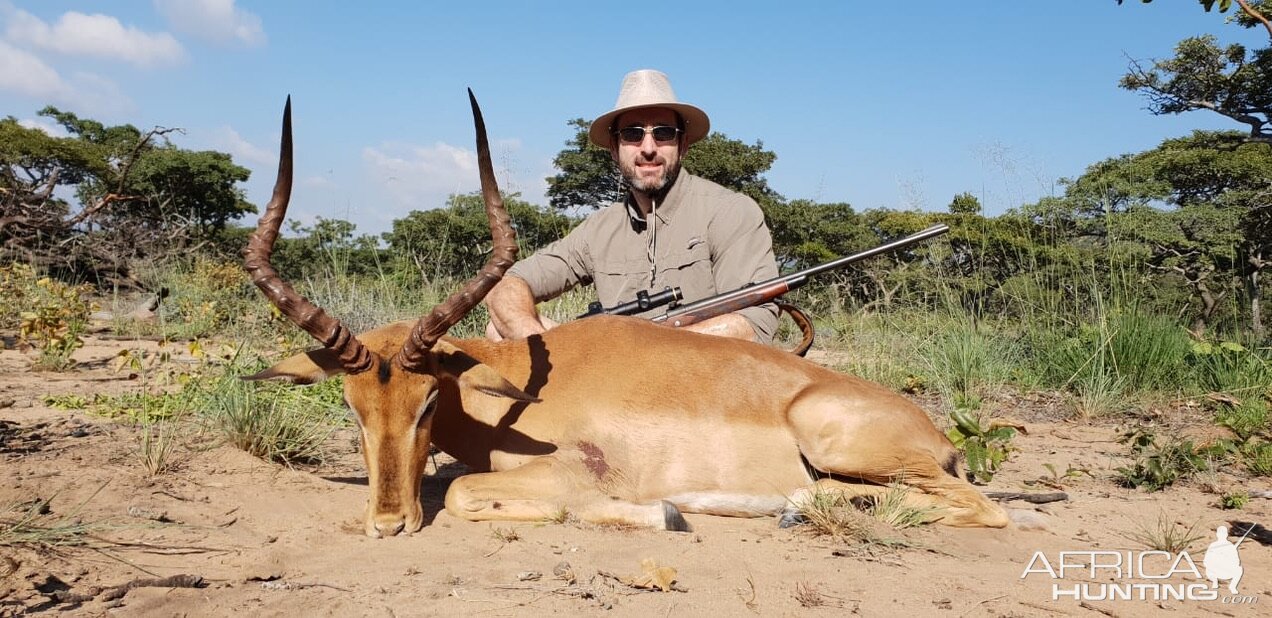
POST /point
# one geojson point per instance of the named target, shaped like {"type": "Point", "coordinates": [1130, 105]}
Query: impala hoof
{"type": "Point", "coordinates": [791, 518]}
{"type": "Point", "coordinates": [673, 520]}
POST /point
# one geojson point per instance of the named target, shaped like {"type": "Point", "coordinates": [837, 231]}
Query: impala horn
{"type": "Point", "coordinates": [431, 327]}
{"type": "Point", "coordinates": [354, 357]}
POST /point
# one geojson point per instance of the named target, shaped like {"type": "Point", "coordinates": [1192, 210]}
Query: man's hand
{"type": "Point", "coordinates": [512, 311]}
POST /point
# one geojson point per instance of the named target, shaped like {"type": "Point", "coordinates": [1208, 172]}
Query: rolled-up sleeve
{"type": "Point", "coordinates": [557, 267]}
{"type": "Point", "coordinates": [743, 254]}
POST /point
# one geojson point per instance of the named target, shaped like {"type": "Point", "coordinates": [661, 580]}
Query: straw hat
{"type": "Point", "coordinates": [648, 88]}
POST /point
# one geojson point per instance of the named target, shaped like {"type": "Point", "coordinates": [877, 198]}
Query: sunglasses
{"type": "Point", "coordinates": [635, 135]}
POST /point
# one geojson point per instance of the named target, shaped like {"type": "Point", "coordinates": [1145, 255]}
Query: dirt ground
{"type": "Point", "coordinates": [264, 540]}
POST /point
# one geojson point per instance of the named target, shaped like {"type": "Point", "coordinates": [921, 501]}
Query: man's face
{"type": "Point", "coordinates": [648, 164]}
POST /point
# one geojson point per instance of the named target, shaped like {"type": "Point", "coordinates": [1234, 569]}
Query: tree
{"type": "Point", "coordinates": [1194, 208]}
{"type": "Point", "coordinates": [1203, 76]}
{"type": "Point", "coordinates": [137, 196]}
{"type": "Point", "coordinates": [965, 204]}
{"type": "Point", "coordinates": [734, 164]}
{"type": "Point", "coordinates": [455, 241]}
{"type": "Point", "coordinates": [588, 178]}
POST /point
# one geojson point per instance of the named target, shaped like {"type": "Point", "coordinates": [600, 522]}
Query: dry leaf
{"type": "Point", "coordinates": [653, 577]}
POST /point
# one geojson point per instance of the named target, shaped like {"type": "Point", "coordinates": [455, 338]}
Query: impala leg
{"type": "Point", "coordinates": [885, 439]}
{"type": "Point", "coordinates": [547, 488]}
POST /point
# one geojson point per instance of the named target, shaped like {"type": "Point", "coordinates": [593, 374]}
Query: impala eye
{"type": "Point", "coordinates": [430, 406]}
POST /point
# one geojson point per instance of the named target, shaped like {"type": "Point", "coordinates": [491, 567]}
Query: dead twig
{"type": "Point", "coordinates": [1096, 608]}
{"type": "Point", "coordinates": [283, 585]}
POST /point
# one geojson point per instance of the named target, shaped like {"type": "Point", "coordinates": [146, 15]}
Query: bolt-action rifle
{"type": "Point", "coordinates": [749, 295]}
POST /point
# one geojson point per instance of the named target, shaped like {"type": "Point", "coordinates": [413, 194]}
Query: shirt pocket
{"type": "Point", "coordinates": [690, 270]}
{"type": "Point", "coordinates": [617, 280]}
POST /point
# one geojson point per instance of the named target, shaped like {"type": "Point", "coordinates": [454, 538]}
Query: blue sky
{"type": "Point", "coordinates": [878, 104]}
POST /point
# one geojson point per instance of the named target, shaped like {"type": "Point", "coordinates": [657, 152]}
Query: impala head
{"type": "Point", "coordinates": [394, 374]}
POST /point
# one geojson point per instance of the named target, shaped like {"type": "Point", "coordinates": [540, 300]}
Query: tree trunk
{"type": "Point", "coordinates": [1208, 305]}
{"type": "Point", "coordinates": [1256, 295]}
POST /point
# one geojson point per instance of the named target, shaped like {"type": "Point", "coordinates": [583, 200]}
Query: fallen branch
{"type": "Point", "coordinates": [1007, 496]}
{"type": "Point", "coordinates": [118, 592]}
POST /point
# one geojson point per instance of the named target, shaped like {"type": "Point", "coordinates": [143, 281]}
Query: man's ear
{"type": "Point", "coordinates": [454, 363]}
{"type": "Point", "coordinates": [306, 368]}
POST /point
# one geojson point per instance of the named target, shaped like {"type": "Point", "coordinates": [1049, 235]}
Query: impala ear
{"type": "Point", "coordinates": [306, 368]}
{"type": "Point", "coordinates": [484, 379]}
{"type": "Point", "coordinates": [468, 372]}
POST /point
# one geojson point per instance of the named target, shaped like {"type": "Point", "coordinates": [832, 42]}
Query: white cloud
{"type": "Point", "coordinates": [44, 124]}
{"type": "Point", "coordinates": [419, 177]}
{"type": "Point", "coordinates": [229, 139]}
{"type": "Point", "coordinates": [102, 36]}
{"type": "Point", "coordinates": [94, 95]}
{"type": "Point", "coordinates": [23, 73]}
{"type": "Point", "coordinates": [214, 20]}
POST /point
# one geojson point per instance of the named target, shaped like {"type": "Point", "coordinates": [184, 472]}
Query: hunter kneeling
{"type": "Point", "coordinates": [673, 229]}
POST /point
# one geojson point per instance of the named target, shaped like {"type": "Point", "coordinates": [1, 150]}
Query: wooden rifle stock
{"type": "Point", "coordinates": [749, 296]}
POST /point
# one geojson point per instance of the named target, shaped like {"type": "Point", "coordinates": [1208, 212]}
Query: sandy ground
{"type": "Point", "coordinates": [266, 540]}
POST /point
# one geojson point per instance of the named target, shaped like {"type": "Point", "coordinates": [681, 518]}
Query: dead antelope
{"type": "Point", "coordinates": [608, 419]}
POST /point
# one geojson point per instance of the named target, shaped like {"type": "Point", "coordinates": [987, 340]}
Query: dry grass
{"type": "Point", "coordinates": [504, 535]}
{"type": "Point", "coordinates": [29, 524]}
{"type": "Point", "coordinates": [891, 508]}
{"type": "Point", "coordinates": [810, 596]}
{"type": "Point", "coordinates": [831, 514]}
{"type": "Point", "coordinates": [1165, 535]}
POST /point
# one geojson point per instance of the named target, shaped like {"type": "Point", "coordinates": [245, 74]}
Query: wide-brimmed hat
{"type": "Point", "coordinates": [648, 88]}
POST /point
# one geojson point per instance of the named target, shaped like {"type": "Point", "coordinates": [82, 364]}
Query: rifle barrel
{"type": "Point", "coordinates": [797, 279]}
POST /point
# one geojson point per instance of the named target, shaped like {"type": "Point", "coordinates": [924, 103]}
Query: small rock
{"type": "Point", "coordinates": [528, 576]}
{"type": "Point", "coordinates": [564, 571]}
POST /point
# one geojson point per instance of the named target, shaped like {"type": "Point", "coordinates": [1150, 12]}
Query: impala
{"type": "Point", "coordinates": [608, 419]}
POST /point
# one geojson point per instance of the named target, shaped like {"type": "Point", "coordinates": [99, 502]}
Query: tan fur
{"type": "Point", "coordinates": [606, 417]}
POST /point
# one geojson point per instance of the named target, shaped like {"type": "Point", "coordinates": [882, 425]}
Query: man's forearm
{"type": "Point", "coordinates": [512, 309]}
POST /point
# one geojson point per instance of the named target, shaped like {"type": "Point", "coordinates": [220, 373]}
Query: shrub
{"type": "Point", "coordinates": [51, 316]}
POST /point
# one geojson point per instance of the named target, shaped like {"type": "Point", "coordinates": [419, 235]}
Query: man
{"type": "Point", "coordinates": [673, 228]}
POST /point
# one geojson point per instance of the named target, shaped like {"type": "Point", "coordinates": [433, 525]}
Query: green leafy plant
{"type": "Point", "coordinates": [1234, 500]}
{"type": "Point", "coordinates": [986, 447]}
{"type": "Point", "coordinates": [1158, 464]}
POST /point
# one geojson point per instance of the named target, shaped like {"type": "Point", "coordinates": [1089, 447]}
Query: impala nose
{"type": "Point", "coordinates": [389, 527]}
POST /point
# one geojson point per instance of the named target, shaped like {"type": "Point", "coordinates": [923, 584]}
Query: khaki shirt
{"type": "Point", "coordinates": [706, 240]}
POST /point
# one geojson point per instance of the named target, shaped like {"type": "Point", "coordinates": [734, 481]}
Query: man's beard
{"type": "Point", "coordinates": [632, 175]}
